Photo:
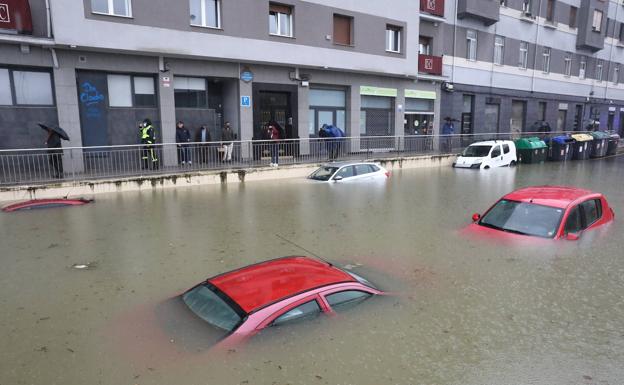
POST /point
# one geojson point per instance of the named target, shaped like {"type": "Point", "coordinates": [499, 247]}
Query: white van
{"type": "Point", "coordinates": [488, 154]}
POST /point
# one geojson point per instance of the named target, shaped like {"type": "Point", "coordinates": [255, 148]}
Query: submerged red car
{"type": "Point", "coordinates": [545, 211]}
{"type": "Point", "coordinates": [238, 304]}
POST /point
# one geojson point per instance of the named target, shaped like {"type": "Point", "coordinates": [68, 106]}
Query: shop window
{"type": "Point", "coordinates": [541, 111]}
{"type": "Point", "coordinates": [546, 60]}
{"type": "Point", "coordinates": [499, 49]}
{"type": "Point", "coordinates": [471, 45]}
{"type": "Point", "coordinates": [280, 20]}
{"type": "Point", "coordinates": [523, 59]}
{"type": "Point", "coordinates": [597, 21]}
{"type": "Point", "coordinates": [393, 38]}
{"type": "Point", "coordinates": [190, 92]}
{"type": "Point", "coordinates": [572, 22]}
{"type": "Point", "coordinates": [206, 13]}
{"type": "Point", "coordinates": [32, 88]}
{"type": "Point", "coordinates": [5, 88]}
{"type": "Point", "coordinates": [119, 91]}
{"type": "Point", "coordinates": [343, 30]}
{"type": "Point", "coordinates": [112, 7]}
{"type": "Point", "coordinates": [144, 92]}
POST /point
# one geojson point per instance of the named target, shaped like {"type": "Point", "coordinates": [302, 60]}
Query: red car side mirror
{"type": "Point", "coordinates": [476, 217]}
{"type": "Point", "coordinates": [572, 237]}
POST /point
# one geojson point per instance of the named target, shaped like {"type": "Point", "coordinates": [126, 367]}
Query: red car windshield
{"type": "Point", "coordinates": [523, 218]}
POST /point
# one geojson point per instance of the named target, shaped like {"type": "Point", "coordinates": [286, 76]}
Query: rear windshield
{"type": "Point", "coordinates": [210, 307]}
{"type": "Point", "coordinates": [323, 173]}
{"type": "Point", "coordinates": [523, 218]}
{"type": "Point", "coordinates": [476, 151]}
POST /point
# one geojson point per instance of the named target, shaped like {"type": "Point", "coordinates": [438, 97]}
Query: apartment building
{"type": "Point", "coordinates": [98, 67]}
{"type": "Point", "coordinates": [511, 63]}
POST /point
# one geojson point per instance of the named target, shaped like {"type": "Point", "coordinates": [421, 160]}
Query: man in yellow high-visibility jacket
{"type": "Point", "coordinates": [148, 139]}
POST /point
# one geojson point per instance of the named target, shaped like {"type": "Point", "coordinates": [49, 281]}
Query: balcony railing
{"type": "Point", "coordinates": [430, 64]}
{"type": "Point", "coordinates": [433, 7]}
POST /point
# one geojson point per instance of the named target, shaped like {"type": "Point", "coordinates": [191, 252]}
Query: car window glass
{"type": "Point", "coordinates": [591, 211]}
{"type": "Point", "coordinates": [373, 168]}
{"type": "Point", "coordinates": [304, 311]}
{"type": "Point", "coordinates": [496, 152]}
{"type": "Point", "coordinates": [573, 223]}
{"type": "Point", "coordinates": [505, 148]}
{"type": "Point", "coordinates": [343, 300]}
{"type": "Point", "coordinates": [345, 172]}
{"type": "Point", "coordinates": [362, 169]}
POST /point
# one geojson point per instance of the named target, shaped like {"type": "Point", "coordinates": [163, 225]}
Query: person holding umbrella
{"type": "Point", "coordinates": [53, 142]}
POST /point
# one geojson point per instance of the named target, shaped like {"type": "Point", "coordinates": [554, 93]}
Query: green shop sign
{"type": "Point", "coordinates": [378, 91]}
{"type": "Point", "coordinates": [418, 94]}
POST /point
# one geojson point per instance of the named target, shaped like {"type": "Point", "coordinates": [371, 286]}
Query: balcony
{"type": "Point", "coordinates": [485, 11]}
{"type": "Point", "coordinates": [15, 17]}
{"type": "Point", "coordinates": [429, 64]}
{"type": "Point", "coordinates": [432, 7]}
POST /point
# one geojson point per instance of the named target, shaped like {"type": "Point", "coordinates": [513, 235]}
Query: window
{"type": "Point", "coordinates": [582, 67]}
{"type": "Point", "coordinates": [361, 169]}
{"type": "Point", "coordinates": [599, 70]}
{"type": "Point", "coordinates": [541, 111]}
{"type": "Point", "coordinates": [550, 11]}
{"type": "Point", "coordinates": [499, 49]}
{"type": "Point", "coordinates": [592, 211]}
{"type": "Point", "coordinates": [505, 149]}
{"type": "Point", "coordinates": [503, 3]}
{"type": "Point", "coordinates": [546, 61]}
{"type": "Point", "coordinates": [393, 38]}
{"type": "Point", "coordinates": [526, 7]}
{"type": "Point", "coordinates": [572, 22]}
{"type": "Point", "coordinates": [280, 20]}
{"type": "Point", "coordinates": [621, 34]}
{"type": "Point", "coordinates": [343, 30]}
{"type": "Point", "coordinates": [32, 88]}
{"type": "Point", "coordinates": [496, 152]}
{"type": "Point", "coordinates": [424, 45]}
{"type": "Point", "coordinates": [346, 299]}
{"type": "Point", "coordinates": [190, 92]}
{"type": "Point", "coordinates": [597, 21]}
{"type": "Point", "coordinates": [567, 64]}
{"type": "Point", "coordinates": [131, 91]}
{"type": "Point", "coordinates": [616, 74]}
{"type": "Point", "coordinates": [301, 312]}
{"type": "Point", "coordinates": [112, 7]}
{"type": "Point", "coordinates": [6, 98]}
{"type": "Point", "coordinates": [346, 172]}
{"type": "Point", "coordinates": [471, 44]}
{"type": "Point", "coordinates": [524, 55]}
{"type": "Point", "coordinates": [206, 13]}
{"type": "Point", "coordinates": [573, 223]}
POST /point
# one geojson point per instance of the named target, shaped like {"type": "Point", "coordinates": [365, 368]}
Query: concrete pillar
{"type": "Point", "coordinates": [166, 105]}
{"type": "Point", "coordinates": [437, 123]}
{"type": "Point", "coordinates": [354, 103]}
{"type": "Point", "coordinates": [66, 93]}
{"type": "Point", "coordinates": [246, 118]}
{"type": "Point", "coordinates": [303, 113]}
{"type": "Point", "coordinates": [399, 118]}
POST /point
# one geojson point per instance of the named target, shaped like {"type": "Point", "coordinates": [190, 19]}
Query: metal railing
{"type": "Point", "coordinates": [43, 166]}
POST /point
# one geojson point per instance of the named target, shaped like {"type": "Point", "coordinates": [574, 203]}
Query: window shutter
{"type": "Point", "coordinates": [342, 29]}
{"type": "Point", "coordinates": [279, 8]}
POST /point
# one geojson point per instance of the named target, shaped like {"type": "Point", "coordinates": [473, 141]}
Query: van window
{"type": "Point", "coordinates": [496, 152]}
{"type": "Point", "coordinates": [505, 149]}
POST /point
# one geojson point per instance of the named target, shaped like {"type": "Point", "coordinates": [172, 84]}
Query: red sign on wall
{"type": "Point", "coordinates": [434, 7]}
{"type": "Point", "coordinates": [15, 16]}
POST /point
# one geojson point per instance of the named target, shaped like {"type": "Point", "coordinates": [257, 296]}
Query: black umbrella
{"type": "Point", "coordinates": [56, 129]}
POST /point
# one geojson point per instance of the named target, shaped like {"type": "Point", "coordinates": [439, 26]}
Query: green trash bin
{"type": "Point", "coordinates": [599, 145]}
{"type": "Point", "coordinates": [531, 150]}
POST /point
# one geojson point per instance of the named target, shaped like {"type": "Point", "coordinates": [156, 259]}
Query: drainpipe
{"type": "Point", "coordinates": [610, 54]}
{"type": "Point", "coordinates": [48, 19]}
{"type": "Point", "coordinates": [55, 62]}
{"type": "Point", "coordinates": [539, 9]}
{"type": "Point", "coordinates": [454, 43]}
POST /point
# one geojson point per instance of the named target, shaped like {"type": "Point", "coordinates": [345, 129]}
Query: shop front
{"type": "Point", "coordinates": [418, 120]}
{"type": "Point", "coordinates": [327, 106]}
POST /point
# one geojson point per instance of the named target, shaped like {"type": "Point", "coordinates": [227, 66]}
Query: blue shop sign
{"type": "Point", "coordinates": [246, 76]}
{"type": "Point", "coordinates": [245, 101]}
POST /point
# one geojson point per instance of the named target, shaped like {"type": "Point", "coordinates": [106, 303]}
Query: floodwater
{"type": "Point", "coordinates": [461, 311]}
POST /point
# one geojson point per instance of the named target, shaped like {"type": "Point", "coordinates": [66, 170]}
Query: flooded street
{"type": "Point", "coordinates": [460, 311]}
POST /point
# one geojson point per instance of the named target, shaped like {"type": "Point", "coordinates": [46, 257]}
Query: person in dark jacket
{"type": "Point", "coordinates": [183, 137]}
{"type": "Point", "coordinates": [227, 137]}
{"type": "Point", "coordinates": [275, 137]}
{"type": "Point", "coordinates": [204, 148]}
{"type": "Point", "coordinates": [448, 129]}
{"type": "Point", "coordinates": [55, 155]}
{"type": "Point", "coordinates": [148, 139]}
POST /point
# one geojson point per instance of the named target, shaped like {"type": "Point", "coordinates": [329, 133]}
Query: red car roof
{"type": "Point", "coordinates": [258, 285]}
{"type": "Point", "coordinates": [554, 196]}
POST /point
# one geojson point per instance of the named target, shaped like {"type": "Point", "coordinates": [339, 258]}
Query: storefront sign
{"type": "Point", "coordinates": [378, 91]}
{"type": "Point", "coordinates": [166, 81]}
{"type": "Point", "coordinates": [563, 106]}
{"type": "Point", "coordinates": [611, 109]}
{"type": "Point", "coordinates": [245, 101]}
{"type": "Point", "coordinates": [418, 94]}
{"type": "Point", "coordinates": [246, 76]}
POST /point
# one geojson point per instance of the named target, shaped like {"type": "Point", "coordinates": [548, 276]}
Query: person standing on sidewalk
{"type": "Point", "coordinates": [227, 137]}
{"type": "Point", "coordinates": [448, 130]}
{"type": "Point", "coordinates": [148, 139]}
{"type": "Point", "coordinates": [275, 137]}
{"type": "Point", "coordinates": [55, 153]}
{"type": "Point", "coordinates": [183, 137]}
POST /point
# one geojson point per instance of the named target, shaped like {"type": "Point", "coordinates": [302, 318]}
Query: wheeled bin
{"type": "Point", "coordinates": [560, 148]}
{"type": "Point", "coordinates": [598, 147]}
{"type": "Point", "coordinates": [531, 150]}
{"type": "Point", "coordinates": [580, 146]}
{"type": "Point", "coordinates": [612, 144]}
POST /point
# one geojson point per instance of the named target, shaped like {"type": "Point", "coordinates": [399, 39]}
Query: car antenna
{"type": "Point", "coordinates": [304, 249]}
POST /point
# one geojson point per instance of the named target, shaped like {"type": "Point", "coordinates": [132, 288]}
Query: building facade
{"type": "Point", "coordinates": [99, 67]}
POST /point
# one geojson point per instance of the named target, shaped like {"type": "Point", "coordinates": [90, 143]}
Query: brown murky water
{"type": "Point", "coordinates": [462, 312]}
